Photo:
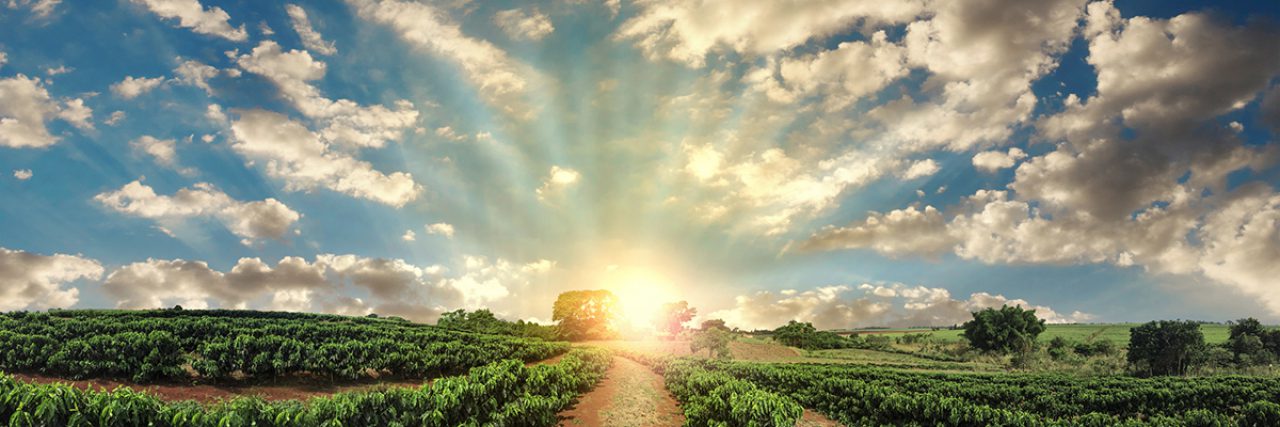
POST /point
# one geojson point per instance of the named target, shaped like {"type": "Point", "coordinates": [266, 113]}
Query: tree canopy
{"type": "Point", "coordinates": [1165, 347]}
{"type": "Point", "coordinates": [589, 314]}
{"type": "Point", "coordinates": [1004, 330]}
{"type": "Point", "coordinates": [673, 316]}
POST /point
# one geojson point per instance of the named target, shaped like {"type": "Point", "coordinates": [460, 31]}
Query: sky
{"type": "Point", "coordinates": [847, 163]}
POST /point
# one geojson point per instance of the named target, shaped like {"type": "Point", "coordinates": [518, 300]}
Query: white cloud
{"type": "Point", "coordinates": [311, 39]}
{"type": "Point", "coordinates": [920, 169]}
{"type": "Point", "coordinates": [265, 219]}
{"type": "Point", "coordinates": [685, 30]}
{"type": "Point", "coordinates": [161, 149]}
{"type": "Point", "coordinates": [57, 71]}
{"type": "Point", "coordinates": [982, 57]}
{"type": "Point", "coordinates": [115, 118]}
{"type": "Point", "coordinates": [992, 161]}
{"type": "Point", "coordinates": [39, 8]}
{"type": "Point", "coordinates": [892, 305]}
{"type": "Point", "coordinates": [557, 181]}
{"type": "Point", "coordinates": [131, 87]}
{"type": "Point", "coordinates": [77, 114]}
{"type": "Point", "coordinates": [502, 81]}
{"type": "Point", "coordinates": [899, 232]}
{"type": "Point", "coordinates": [4, 58]}
{"type": "Point", "coordinates": [394, 286]}
{"type": "Point", "coordinates": [22, 174]}
{"type": "Point", "coordinates": [33, 281]}
{"type": "Point", "coordinates": [441, 228]}
{"type": "Point", "coordinates": [190, 14]}
{"type": "Point", "coordinates": [344, 122]}
{"type": "Point", "coordinates": [304, 161]}
{"type": "Point", "coordinates": [841, 76]}
{"type": "Point", "coordinates": [25, 107]}
{"type": "Point", "coordinates": [409, 236]}
{"type": "Point", "coordinates": [523, 25]}
{"type": "Point", "coordinates": [195, 73]}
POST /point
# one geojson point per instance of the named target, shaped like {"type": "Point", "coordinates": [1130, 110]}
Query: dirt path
{"type": "Point", "coordinates": [630, 395]}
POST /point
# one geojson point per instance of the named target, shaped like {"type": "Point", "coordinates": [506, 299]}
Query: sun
{"type": "Point", "coordinates": [641, 294]}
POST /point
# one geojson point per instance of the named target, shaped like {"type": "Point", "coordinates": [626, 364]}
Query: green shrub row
{"type": "Point", "coordinates": [221, 344]}
{"type": "Point", "coordinates": [873, 396]}
{"type": "Point", "coordinates": [505, 393]}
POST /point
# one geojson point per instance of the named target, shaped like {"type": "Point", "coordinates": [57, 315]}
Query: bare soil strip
{"type": "Point", "coordinates": [211, 393]}
{"type": "Point", "coordinates": [630, 395]}
{"type": "Point", "coordinates": [814, 419]}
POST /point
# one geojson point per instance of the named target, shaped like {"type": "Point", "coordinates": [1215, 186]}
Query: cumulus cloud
{"type": "Point", "coordinates": [441, 228]}
{"type": "Point", "coordinates": [523, 25]}
{"type": "Point", "coordinates": [393, 286]}
{"type": "Point", "coordinates": [502, 81]}
{"type": "Point", "coordinates": [115, 118]}
{"type": "Point", "coordinates": [982, 56]}
{"type": "Point", "coordinates": [304, 161]}
{"type": "Point", "coordinates": [38, 8]}
{"type": "Point", "coordinates": [34, 281]}
{"type": "Point", "coordinates": [26, 108]}
{"type": "Point", "coordinates": [311, 39]}
{"type": "Point", "coordinates": [841, 76]}
{"type": "Point", "coordinates": [409, 236]}
{"type": "Point", "coordinates": [190, 14]}
{"type": "Point", "coordinates": [344, 121]}
{"type": "Point", "coordinates": [777, 188]}
{"type": "Point", "coordinates": [264, 219]}
{"type": "Point", "coordinates": [557, 181]}
{"type": "Point", "coordinates": [992, 161]}
{"type": "Point", "coordinates": [131, 87]}
{"type": "Point", "coordinates": [162, 150]}
{"type": "Point", "coordinates": [921, 169]}
{"type": "Point", "coordinates": [680, 30]}
{"type": "Point", "coordinates": [897, 233]}
{"type": "Point", "coordinates": [892, 305]}
{"type": "Point", "coordinates": [195, 73]}
{"type": "Point", "coordinates": [22, 174]}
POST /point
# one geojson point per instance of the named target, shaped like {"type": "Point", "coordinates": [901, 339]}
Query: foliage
{"type": "Point", "coordinates": [1005, 330]}
{"type": "Point", "coordinates": [584, 315]}
{"type": "Point", "coordinates": [1165, 347]}
{"type": "Point", "coordinates": [863, 395]}
{"type": "Point", "coordinates": [714, 324]}
{"type": "Point", "coordinates": [716, 399]}
{"type": "Point", "coordinates": [673, 316]}
{"type": "Point", "coordinates": [221, 344]}
{"type": "Point", "coordinates": [485, 322]}
{"type": "Point", "coordinates": [804, 335]}
{"type": "Point", "coordinates": [505, 393]}
{"type": "Point", "coordinates": [714, 340]}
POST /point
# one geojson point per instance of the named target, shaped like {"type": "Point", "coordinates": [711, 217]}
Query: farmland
{"type": "Point", "coordinates": [120, 368]}
{"type": "Point", "coordinates": [1214, 333]}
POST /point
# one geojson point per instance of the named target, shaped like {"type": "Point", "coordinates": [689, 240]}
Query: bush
{"type": "Point", "coordinates": [804, 335]}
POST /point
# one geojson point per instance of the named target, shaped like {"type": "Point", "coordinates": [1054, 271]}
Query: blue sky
{"type": "Point", "coordinates": [846, 163]}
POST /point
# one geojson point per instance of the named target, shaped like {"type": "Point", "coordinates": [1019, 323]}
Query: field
{"type": "Point", "coordinates": [242, 368]}
{"type": "Point", "coordinates": [1116, 332]}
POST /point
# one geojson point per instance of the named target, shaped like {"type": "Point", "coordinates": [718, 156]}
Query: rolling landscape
{"type": "Point", "coordinates": [705, 213]}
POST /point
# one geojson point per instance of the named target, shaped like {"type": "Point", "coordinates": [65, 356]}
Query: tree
{"type": "Point", "coordinates": [586, 315]}
{"type": "Point", "coordinates": [1246, 326]}
{"type": "Point", "coordinates": [1004, 330]}
{"type": "Point", "coordinates": [714, 324]}
{"type": "Point", "coordinates": [714, 340]}
{"type": "Point", "coordinates": [673, 317]}
{"type": "Point", "coordinates": [794, 334]}
{"type": "Point", "coordinates": [1165, 347]}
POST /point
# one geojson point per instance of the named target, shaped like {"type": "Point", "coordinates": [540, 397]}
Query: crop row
{"type": "Point", "coordinates": [712, 398]}
{"type": "Point", "coordinates": [505, 393]}
{"type": "Point", "coordinates": [144, 348]}
{"type": "Point", "coordinates": [874, 396]}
